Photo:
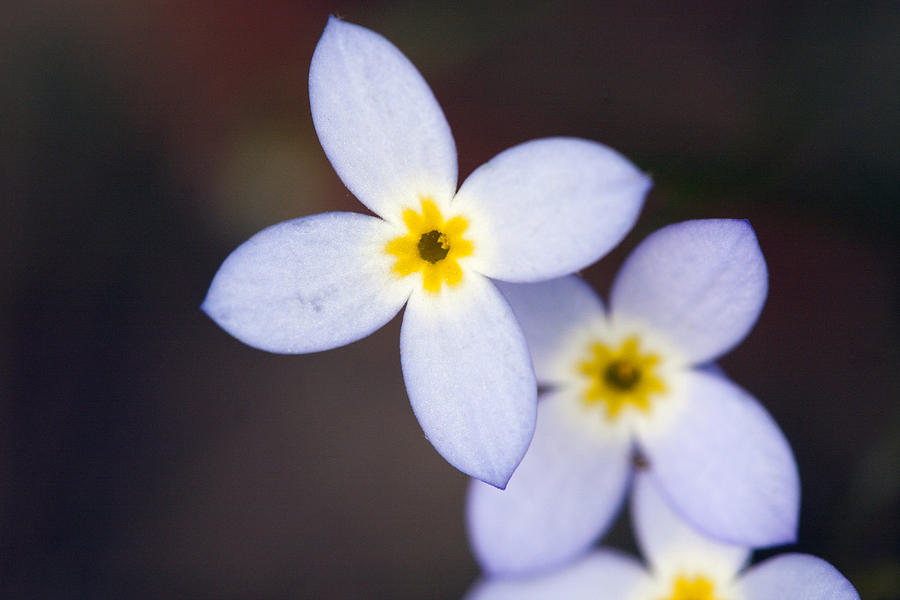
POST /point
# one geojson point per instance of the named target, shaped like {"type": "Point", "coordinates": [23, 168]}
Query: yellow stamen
{"type": "Point", "coordinates": [432, 246]}
{"type": "Point", "coordinates": [619, 378]}
{"type": "Point", "coordinates": [696, 588]}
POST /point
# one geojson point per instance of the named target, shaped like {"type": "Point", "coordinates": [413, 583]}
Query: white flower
{"type": "Point", "coordinates": [685, 296]}
{"type": "Point", "coordinates": [682, 565]}
{"type": "Point", "coordinates": [536, 211]}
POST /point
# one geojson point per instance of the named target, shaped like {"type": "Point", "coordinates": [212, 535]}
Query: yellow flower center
{"type": "Point", "coordinates": [431, 246]}
{"type": "Point", "coordinates": [620, 377]}
{"type": "Point", "coordinates": [696, 588]}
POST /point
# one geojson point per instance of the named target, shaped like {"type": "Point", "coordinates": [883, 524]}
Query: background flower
{"type": "Point", "coordinates": [143, 453]}
{"type": "Point", "coordinates": [636, 376]}
{"type": "Point", "coordinates": [682, 564]}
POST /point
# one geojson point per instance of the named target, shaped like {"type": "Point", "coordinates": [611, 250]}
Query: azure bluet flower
{"type": "Point", "coordinates": [682, 564]}
{"type": "Point", "coordinates": [637, 377]}
{"type": "Point", "coordinates": [534, 212]}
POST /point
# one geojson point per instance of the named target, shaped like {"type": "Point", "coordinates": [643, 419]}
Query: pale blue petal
{"type": "Point", "coordinates": [549, 207]}
{"type": "Point", "coordinates": [549, 312]}
{"type": "Point", "coordinates": [563, 496]}
{"type": "Point", "coordinates": [378, 121]}
{"type": "Point", "coordinates": [469, 377]}
{"type": "Point", "coordinates": [701, 283]}
{"type": "Point", "coordinates": [724, 465]}
{"type": "Point", "coordinates": [796, 577]}
{"type": "Point", "coordinates": [307, 285]}
{"type": "Point", "coordinates": [664, 537]}
{"type": "Point", "coordinates": [601, 575]}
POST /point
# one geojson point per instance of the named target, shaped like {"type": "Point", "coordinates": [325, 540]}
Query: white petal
{"type": "Point", "coordinates": [549, 207]}
{"type": "Point", "coordinates": [796, 577]}
{"type": "Point", "coordinates": [602, 575]}
{"type": "Point", "coordinates": [469, 377]}
{"type": "Point", "coordinates": [672, 545]}
{"type": "Point", "coordinates": [308, 284]}
{"type": "Point", "coordinates": [378, 121]}
{"type": "Point", "coordinates": [700, 283]}
{"type": "Point", "coordinates": [563, 496]}
{"type": "Point", "coordinates": [549, 312]}
{"type": "Point", "coordinates": [723, 464]}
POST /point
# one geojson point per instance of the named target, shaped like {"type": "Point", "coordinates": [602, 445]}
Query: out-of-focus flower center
{"type": "Point", "coordinates": [432, 246]}
{"type": "Point", "coordinates": [620, 377]}
{"type": "Point", "coordinates": [692, 588]}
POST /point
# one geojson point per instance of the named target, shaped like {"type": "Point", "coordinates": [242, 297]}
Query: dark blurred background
{"type": "Point", "coordinates": [144, 453]}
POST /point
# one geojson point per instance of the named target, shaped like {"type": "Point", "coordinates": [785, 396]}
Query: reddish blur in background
{"type": "Point", "coordinates": [144, 453]}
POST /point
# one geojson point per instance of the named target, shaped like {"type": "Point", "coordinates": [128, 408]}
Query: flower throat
{"type": "Point", "coordinates": [433, 246]}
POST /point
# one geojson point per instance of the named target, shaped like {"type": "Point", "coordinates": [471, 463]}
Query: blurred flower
{"type": "Point", "coordinates": [683, 565]}
{"type": "Point", "coordinates": [686, 295]}
{"type": "Point", "coordinates": [536, 211]}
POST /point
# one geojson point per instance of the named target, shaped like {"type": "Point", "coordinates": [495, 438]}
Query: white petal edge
{"type": "Point", "coordinates": [700, 283]}
{"type": "Point", "coordinates": [724, 465]}
{"type": "Point", "coordinates": [469, 377]}
{"type": "Point", "coordinates": [601, 575]}
{"type": "Point", "coordinates": [308, 284]}
{"type": "Point", "coordinates": [795, 577]}
{"type": "Point", "coordinates": [672, 545]}
{"type": "Point", "coordinates": [549, 312]}
{"type": "Point", "coordinates": [378, 121]}
{"type": "Point", "coordinates": [561, 499]}
{"type": "Point", "coordinates": [549, 207]}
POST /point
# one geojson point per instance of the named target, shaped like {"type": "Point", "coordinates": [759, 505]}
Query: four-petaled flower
{"type": "Point", "coordinates": [683, 565]}
{"type": "Point", "coordinates": [537, 211]}
{"type": "Point", "coordinates": [685, 296]}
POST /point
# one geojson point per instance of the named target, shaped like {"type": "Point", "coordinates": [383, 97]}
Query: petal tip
{"type": "Point", "coordinates": [739, 224]}
{"type": "Point", "coordinates": [207, 306]}
{"type": "Point", "coordinates": [745, 224]}
{"type": "Point", "coordinates": [496, 479]}
{"type": "Point", "coordinates": [500, 484]}
{"type": "Point", "coordinates": [771, 539]}
{"type": "Point", "coordinates": [642, 184]}
{"type": "Point", "coordinates": [647, 180]}
{"type": "Point", "coordinates": [334, 26]}
{"type": "Point", "coordinates": [788, 535]}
